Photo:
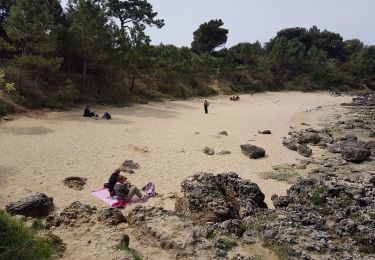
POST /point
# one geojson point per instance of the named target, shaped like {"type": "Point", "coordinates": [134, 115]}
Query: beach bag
{"type": "Point", "coordinates": [149, 189]}
{"type": "Point", "coordinates": [107, 115]}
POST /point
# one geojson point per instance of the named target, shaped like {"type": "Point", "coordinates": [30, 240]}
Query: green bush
{"type": "Point", "coordinates": [17, 241]}
{"type": "Point", "coordinates": [64, 97]}
{"type": "Point", "coordinates": [318, 196]}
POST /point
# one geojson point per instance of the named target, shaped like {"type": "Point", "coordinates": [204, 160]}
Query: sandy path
{"type": "Point", "coordinates": [38, 153]}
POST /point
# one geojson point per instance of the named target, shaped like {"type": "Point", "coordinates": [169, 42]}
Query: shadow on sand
{"type": "Point", "coordinates": [27, 130]}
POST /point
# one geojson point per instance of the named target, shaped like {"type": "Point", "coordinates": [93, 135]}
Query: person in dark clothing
{"type": "Point", "coordinates": [88, 112]}
{"type": "Point", "coordinates": [206, 104]}
{"type": "Point", "coordinates": [112, 181]}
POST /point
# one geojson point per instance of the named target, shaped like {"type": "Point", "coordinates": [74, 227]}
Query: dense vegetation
{"type": "Point", "coordinates": [97, 51]}
{"type": "Point", "coordinates": [17, 241]}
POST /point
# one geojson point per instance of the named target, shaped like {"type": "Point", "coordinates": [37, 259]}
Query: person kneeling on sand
{"type": "Point", "coordinates": [125, 191]}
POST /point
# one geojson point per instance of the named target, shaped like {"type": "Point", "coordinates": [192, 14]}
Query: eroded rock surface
{"type": "Point", "coordinates": [129, 166]}
{"type": "Point", "coordinates": [216, 198]}
{"type": "Point", "coordinates": [75, 182]}
{"type": "Point", "coordinates": [35, 205]}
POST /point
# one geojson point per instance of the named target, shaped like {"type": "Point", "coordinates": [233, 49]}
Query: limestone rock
{"type": "Point", "coordinates": [216, 198]}
{"type": "Point", "coordinates": [36, 205]}
{"type": "Point", "coordinates": [112, 216]}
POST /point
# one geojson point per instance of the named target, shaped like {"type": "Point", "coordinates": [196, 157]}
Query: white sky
{"type": "Point", "coordinates": [251, 20]}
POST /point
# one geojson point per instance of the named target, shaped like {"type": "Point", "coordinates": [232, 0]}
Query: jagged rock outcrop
{"type": "Point", "coordinates": [35, 205]}
{"type": "Point", "coordinates": [216, 198]}
{"type": "Point", "coordinates": [75, 214]}
{"type": "Point", "coordinates": [298, 140]}
{"type": "Point", "coordinates": [181, 237]}
{"type": "Point", "coordinates": [319, 211]}
{"type": "Point", "coordinates": [112, 216]}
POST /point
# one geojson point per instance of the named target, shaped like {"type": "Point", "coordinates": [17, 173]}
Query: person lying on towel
{"type": "Point", "coordinates": [125, 191]}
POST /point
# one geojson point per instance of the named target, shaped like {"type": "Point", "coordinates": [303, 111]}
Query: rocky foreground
{"type": "Point", "coordinates": [328, 213]}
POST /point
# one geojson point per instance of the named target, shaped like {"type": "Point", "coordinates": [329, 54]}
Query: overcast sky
{"type": "Point", "coordinates": [251, 20]}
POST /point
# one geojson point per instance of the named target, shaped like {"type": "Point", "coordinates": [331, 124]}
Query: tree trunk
{"type": "Point", "coordinates": [84, 71]}
{"type": "Point", "coordinates": [133, 80]}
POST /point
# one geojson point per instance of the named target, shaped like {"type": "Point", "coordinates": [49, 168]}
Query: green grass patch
{"type": "Point", "coordinates": [280, 250]}
{"type": "Point", "coordinates": [17, 241]}
{"type": "Point", "coordinates": [345, 202]}
{"type": "Point", "coordinates": [134, 252]}
{"type": "Point", "coordinates": [38, 224]}
{"type": "Point", "coordinates": [318, 196]}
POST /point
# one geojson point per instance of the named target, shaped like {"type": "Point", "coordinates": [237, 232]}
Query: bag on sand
{"type": "Point", "coordinates": [149, 189]}
{"type": "Point", "coordinates": [107, 115]}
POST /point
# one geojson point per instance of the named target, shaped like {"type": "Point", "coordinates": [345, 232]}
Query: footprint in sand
{"type": "Point", "coordinates": [140, 149]}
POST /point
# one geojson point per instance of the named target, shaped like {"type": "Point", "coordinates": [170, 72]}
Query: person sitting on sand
{"type": "Point", "coordinates": [125, 191]}
{"type": "Point", "coordinates": [112, 181]}
{"type": "Point", "coordinates": [89, 113]}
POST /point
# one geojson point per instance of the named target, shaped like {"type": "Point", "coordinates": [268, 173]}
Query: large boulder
{"type": "Point", "coordinates": [35, 205]}
{"type": "Point", "coordinates": [355, 154]}
{"type": "Point", "coordinates": [252, 151]}
{"type": "Point", "coordinates": [216, 198]}
{"type": "Point", "coordinates": [309, 138]}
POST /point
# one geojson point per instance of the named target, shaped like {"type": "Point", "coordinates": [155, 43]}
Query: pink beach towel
{"type": "Point", "coordinates": [103, 195]}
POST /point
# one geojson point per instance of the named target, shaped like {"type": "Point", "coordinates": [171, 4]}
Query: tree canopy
{"type": "Point", "coordinates": [99, 50]}
{"type": "Point", "coordinates": [209, 36]}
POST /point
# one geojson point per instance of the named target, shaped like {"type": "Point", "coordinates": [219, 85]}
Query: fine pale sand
{"type": "Point", "coordinates": [38, 152]}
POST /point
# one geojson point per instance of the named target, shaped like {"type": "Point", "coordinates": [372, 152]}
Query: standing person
{"type": "Point", "coordinates": [206, 104]}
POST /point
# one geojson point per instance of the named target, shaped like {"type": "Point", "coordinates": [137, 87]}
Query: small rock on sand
{"type": "Point", "coordinates": [265, 132]}
{"type": "Point", "coordinates": [209, 151]}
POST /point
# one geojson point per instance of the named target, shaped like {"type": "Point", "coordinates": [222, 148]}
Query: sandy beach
{"type": "Point", "coordinates": [39, 152]}
{"type": "Point", "coordinates": [165, 138]}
